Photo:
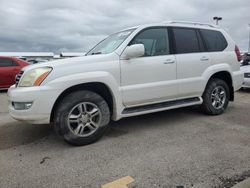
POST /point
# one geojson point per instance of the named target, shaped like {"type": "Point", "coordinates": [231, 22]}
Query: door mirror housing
{"type": "Point", "coordinates": [133, 51]}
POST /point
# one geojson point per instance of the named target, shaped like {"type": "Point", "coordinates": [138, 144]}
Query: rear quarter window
{"type": "Point", "coordinates": [214, 40]}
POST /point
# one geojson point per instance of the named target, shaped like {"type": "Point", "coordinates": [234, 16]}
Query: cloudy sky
{"type": "Point", "coordinates": [76, 25]}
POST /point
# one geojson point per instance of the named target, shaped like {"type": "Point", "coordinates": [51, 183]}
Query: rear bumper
{"type": "Point", "coordinates": [237, 80]}
{"type": "Point", "coordinates": [246, 83]}
{"type": "Point", "coordinates": [43, 99]}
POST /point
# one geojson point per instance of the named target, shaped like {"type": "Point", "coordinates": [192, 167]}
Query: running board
{"type": "Point", "coordinates": [162, 105]}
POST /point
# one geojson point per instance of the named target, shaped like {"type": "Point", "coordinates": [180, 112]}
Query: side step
{"type": "Point", "coordinates": [161, 105]}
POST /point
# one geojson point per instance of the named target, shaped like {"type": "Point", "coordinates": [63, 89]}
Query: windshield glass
{"type": "Point", "coordinates": [110, 44]}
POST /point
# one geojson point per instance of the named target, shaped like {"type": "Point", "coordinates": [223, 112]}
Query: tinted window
{"type": "Point", "coordinates": [186, 40]}
{"type": "Point", "coordinates": [154, 40]}
{"type": "Point", "coordinates": [214, 40]}
{"type": "Point", "coordinates": [6, 63]}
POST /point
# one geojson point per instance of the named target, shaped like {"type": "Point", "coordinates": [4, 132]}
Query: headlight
{"type": "Point", "coordinates": [34, 77]}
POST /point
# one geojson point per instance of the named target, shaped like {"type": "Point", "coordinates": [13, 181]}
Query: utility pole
{"type": "Point", "coordinates": [217, 19]}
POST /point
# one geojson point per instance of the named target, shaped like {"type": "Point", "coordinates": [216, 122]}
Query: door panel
{"type": "Point", "coordinates": [6, 76]}
{"type": "Point", "coordinates": [151, 78]}
{"type": "Point", "coordinates": [8, 71]}
{"type": "Point", "coordinates": [148, 79]}
{"type": "Point", "coordinates": [190, 68]}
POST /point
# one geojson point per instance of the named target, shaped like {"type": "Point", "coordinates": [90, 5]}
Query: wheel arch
{"type": "Point", "coordinates": [227, 77]}
{"type": "Point", "coordinates": [98, 87]}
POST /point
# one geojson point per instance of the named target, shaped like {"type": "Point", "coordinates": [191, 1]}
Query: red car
{"type": "Point", "coordinates": [9, 67]}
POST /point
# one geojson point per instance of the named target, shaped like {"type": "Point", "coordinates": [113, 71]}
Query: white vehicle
{"type": "Point", "coordinates": [136, 71]}
{"type": "Point", "coordinates": [246, 70]}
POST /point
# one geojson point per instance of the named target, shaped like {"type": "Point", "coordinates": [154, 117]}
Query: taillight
{"type": "Point", "coordinates": [237, 51]}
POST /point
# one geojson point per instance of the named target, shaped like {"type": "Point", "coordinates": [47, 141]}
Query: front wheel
{"type": "Point", "coordinates": [82, 117]}
{"type": "Point", "coordinates": [215, 97]}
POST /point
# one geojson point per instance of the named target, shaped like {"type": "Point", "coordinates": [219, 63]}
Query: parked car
{"type": "Point", "coordinates": [9, 67]}
{"type": "Point", "coordinates": [246, 70]}
{"type": "Point", "coordinates": [245, 59]}
{"type": "Point", "coordinates": [136, 71]}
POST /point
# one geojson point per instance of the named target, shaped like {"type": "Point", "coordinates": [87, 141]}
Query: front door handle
{"type": "Point", "coordinates": [169, 61]}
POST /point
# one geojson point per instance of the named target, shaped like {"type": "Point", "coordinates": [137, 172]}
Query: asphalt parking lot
{"type": "Point", "coordinates": [177, 148]}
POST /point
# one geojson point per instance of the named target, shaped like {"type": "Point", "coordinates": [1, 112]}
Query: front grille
{"type": "Point", "coordinates": [247, 75]}
{"type": "Point", "coordinates": [18, 77]}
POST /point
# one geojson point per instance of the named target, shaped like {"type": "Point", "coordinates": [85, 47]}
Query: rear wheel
{"type": "Point", "coordinates": [215, 97]}
{"type": "Point", "coordinates": [82, 117]}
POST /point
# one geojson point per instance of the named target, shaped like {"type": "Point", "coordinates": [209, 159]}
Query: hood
{"type": "Point", "coordinates": [73, 61]}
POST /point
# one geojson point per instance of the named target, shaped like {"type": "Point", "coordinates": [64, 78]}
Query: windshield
{"type": "Point", "coordinates": [110, 44]}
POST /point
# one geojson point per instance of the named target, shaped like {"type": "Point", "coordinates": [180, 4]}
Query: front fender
{"type": "Point", "coordinates": [65, 82]}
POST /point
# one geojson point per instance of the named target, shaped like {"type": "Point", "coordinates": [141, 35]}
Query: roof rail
{"type": "Point", "coordinates": [192, 23]}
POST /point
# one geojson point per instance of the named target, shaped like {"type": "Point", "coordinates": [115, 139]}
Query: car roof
{"type": "Point", "coordinates": [7, 57]}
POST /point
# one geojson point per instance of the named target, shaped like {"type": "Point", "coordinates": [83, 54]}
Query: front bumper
{"type": "Point", "coordinates": [43, 99]}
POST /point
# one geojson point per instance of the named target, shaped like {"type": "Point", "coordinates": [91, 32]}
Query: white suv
{"type": "Point", "coordinates": [139, 70]}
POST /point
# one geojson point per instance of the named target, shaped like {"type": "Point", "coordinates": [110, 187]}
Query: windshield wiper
{"type": "Point", "coordinates": [95, 53]}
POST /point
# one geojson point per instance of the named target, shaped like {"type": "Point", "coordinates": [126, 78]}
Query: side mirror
{"type": "Point", "coordinates": [133, 51]}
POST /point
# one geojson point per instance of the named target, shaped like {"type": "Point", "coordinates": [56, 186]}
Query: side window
{"type": "Point", "coordinates": [155, 41]}
{"type": "Point", "coordinates": [186, 40]}
{"type": "Point", "coordinates": [214, 40]}
{"type": "Point", "coordinates": [6, 63]}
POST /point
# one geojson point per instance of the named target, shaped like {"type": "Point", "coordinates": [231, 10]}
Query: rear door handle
{"type": "Point", "coordinates": [204, 58]}
{"type": "Point", "coordinates": [169, 61]}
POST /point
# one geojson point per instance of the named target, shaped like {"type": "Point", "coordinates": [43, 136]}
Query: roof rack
{"type": "Point", "coordinates": [192, 23]}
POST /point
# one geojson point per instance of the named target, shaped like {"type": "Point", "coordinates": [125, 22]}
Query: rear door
{"type": "Point", "coordinates": [192, 60]}
{"type": "Point", "coordinates": [8, 70]}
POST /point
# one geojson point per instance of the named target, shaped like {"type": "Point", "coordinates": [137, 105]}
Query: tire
{"type": "Point", "coordinates": [82, 117]}
{"type": "Point", "coordinates": [215, 104]}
